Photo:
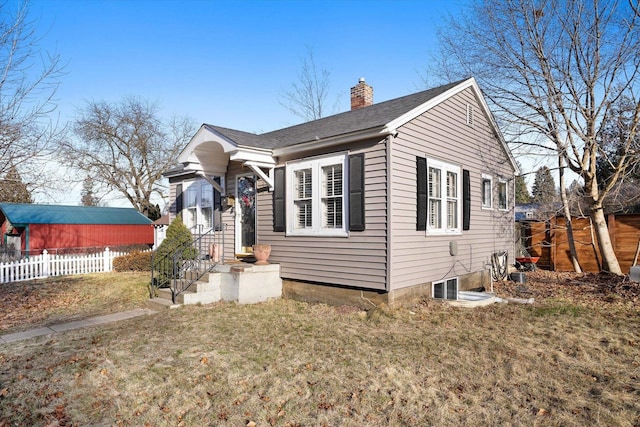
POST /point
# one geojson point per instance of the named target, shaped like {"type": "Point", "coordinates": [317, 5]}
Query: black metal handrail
{"type": "Point", "coordinates": [188, 263]}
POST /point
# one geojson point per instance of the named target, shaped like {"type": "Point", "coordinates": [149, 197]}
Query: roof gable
{"type": "Point", "coordinates": [380, 119]}
{"type": "Point", "coordinates": [18, 213]}
{"type": "Point", "coordinates": [371, 117]}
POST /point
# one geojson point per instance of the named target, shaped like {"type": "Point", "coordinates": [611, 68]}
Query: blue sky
{"type": "Point", "coordinates": [228, 62]}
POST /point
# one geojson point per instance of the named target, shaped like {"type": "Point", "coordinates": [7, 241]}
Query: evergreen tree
{"type": "Point", "coordinates": [154, 212]}
{"type": "Point", "coordinates": [177, 238]}
{"type": "Point", "coordinates": [522, 192]}
{"type": "Point", "coordinates": [12, 189]}
{"type": "Point", "coordinates": [88, 194]}
{"type": "Point", "coordinates": [544, 187]}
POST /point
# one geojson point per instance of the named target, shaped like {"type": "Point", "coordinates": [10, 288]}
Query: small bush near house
{"type": "Point", "coordinates": [178, 238]}
{"type": "Point", "coordinates": [134, 261]}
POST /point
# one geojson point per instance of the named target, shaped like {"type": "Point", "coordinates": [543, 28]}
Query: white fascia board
{"type": "Point", "coordinates": [382, 131]}
{"type": "Point", "coordinates": [252, 155]}
{"type": "Point", "coordinates": [205, 134]}
{"type": "Point", "coordinates": [469, 83]}
{"type": "Point", "coordinates": [421, 109]}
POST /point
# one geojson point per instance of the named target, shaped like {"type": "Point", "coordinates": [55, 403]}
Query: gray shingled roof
{"type": "Point", "coordinates": [376, 115]}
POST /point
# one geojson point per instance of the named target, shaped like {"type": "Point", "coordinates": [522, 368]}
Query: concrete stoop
{"type": "Point", "coordinates": [241, 283]}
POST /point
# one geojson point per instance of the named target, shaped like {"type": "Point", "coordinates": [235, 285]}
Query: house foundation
{"type": "Point", "coordinates": [366, 299]}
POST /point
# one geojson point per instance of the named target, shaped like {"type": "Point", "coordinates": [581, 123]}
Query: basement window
{"type": "Point", "coordinates": [446, 289]}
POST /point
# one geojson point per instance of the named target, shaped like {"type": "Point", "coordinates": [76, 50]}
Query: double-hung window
{"type": "Point", "coordinates": [503, 203]}
{"type": "Point", "coordinates": [316, 197]}
{"type": "Point", "coordinates": [444, 191]}
{"type": "Point", "coordinates": [201, 205]}
{"type": "Point", "coordinates": [487, 191]}
{"type": "Point", "coordinates": [206, 205]}
{"type": "Point", "coordinates": [192, 206]}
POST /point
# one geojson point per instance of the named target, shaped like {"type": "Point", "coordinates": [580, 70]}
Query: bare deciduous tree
{"type": "Point", "coordinates": [307, 97]}
{"type": "Point", "coordinates": [552, 70]}
{"type": "Point", "coordinates": [125, 147]}
{"type": "Point", "coordinates": [28, 82]}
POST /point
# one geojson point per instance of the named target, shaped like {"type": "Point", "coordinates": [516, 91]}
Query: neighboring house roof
{"type": "Point", "coordinates": [163, 220]}
{"type": "Point", "coordinates": [18, 213]}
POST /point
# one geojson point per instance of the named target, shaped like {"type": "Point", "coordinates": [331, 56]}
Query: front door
{"type": "Point", "coordinates": [245, 214]}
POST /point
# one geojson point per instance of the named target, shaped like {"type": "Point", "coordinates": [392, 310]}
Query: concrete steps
{"type": "Point", "coordinates": [244, 284]}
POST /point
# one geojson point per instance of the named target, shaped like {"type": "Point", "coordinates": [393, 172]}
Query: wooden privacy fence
{"type": "Point", "coordinates": [48, 265]}
{"type": "Point", "coordinates": [548, 240]}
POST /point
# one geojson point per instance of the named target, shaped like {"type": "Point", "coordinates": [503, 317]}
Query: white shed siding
{"type": "Point", "coordinates": [358, 260]}
{"type": "Point", "coordinates": [442, 133]}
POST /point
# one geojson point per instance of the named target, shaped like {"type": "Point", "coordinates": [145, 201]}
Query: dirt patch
{"type": "Point", "coordinates": [587, 288]}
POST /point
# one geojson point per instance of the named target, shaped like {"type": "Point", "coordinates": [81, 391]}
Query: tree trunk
{"type": "Point", "coordinates": [609, 259]}
{"type": "Point", "coordinates": [573, 254]}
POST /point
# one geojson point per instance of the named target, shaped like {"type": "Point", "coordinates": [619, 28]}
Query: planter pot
{"type": "Point", "coordinates": [261, 252]}
{"type": "Point", "coordinates": [214, 252]}
{"type": "Point", "coordinates": [518, 277]}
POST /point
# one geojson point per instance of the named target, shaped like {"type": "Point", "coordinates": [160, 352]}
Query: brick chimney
{"type": "Point", "coordinates": [361, 95]}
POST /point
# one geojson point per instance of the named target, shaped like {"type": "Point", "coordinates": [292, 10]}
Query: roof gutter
{"type": "Point", "coordinates": [382, 131]}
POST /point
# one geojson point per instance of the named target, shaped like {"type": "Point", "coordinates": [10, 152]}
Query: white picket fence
{"type": "Point", "coordinates": [48, 265]}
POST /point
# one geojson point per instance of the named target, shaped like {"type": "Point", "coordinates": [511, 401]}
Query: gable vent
{"type": "Point", "coordinates": [470, 114]}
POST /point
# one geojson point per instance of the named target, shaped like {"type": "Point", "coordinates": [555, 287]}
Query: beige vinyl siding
{"type": "Point", "coordinates": [358, 260]}
{"type": "Point", "coordinates": [443, 134]}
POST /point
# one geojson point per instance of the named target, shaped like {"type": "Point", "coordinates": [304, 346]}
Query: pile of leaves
{"type": "Point", "coordinates": [589, 288]}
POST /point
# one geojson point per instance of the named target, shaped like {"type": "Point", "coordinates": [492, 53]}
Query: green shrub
{"type": "Point", "coordinates": [134, 261]}
{"type": "Point", "coordinates": [178, 236]}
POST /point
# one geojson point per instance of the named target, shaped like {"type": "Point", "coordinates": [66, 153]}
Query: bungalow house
{"type": "Point", "coordinates": [387, 202]}
{"type": "Point", "coordinates": [33, 227]}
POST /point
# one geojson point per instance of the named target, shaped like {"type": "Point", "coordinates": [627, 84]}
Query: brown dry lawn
{"type": "Point", "coordinates": [572, 358]}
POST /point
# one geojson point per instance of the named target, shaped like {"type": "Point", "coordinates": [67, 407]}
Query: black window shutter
{"type": "Point", "coordinates": [356, 192]}
{"type": "Point", "coordinates": [466, 199]}
{"type": "Point", "coordinates": [178, 199]}
{"type": "Point", "coordinates": [279, 208]}
{"type": "Point", "coordinates": [421, 181]}
{"type": "Point", "coordinates": [217, 207]}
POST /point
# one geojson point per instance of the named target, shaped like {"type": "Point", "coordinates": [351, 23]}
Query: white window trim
{"type": "Point", "coordinates": [196, 186]}
{"type": "Point", "coordinates": [445, 167]}
{"type": "Point", "coordinates": [316, 165]}
{"type": "Point", "coordinates": [506, 194]}
{"type": "Point", "coordinates": [444, 282]}
{"type": "Point", "coordinates": [205, 186]}
{"type": "Point", "coordinates": [490, 179]}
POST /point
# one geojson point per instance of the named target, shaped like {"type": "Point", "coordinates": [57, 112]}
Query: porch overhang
{"type": "Point", "coordinates": [209, 152]}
